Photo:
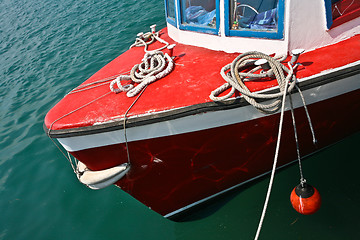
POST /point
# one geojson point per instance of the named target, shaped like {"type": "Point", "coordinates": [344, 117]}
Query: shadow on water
{"type": "Point", "coordinates": [211, 206]}
{"type": "Point", "coordinates": [214, 204]}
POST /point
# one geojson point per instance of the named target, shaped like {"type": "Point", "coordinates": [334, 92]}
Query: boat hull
{"type": "Point", "coordinates": [175, 170]}
{"type": "Point", "coordinates": [183, 147]}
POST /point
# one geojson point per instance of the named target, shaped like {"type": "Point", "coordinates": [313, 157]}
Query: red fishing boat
{"type": "Point", "coordinates": [193, 110]}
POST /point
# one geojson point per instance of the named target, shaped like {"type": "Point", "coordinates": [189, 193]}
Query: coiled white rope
{"type": "Point", "coordinates": [145, 39]}
{"type": "Point", "coordinates": [154, 65]}
{"type": "Point", "coordinates": [120, 88]}
{"type": "Point", "coordinates": [235, 80]}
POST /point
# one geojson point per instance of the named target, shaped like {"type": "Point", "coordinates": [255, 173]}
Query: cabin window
{"type": "Point", "coordinates": [254, 18]}
{"type": "Point", "coordinates": [170, 11]}
{"type": "Point", "coordinates": [200, 15]}
{"type": "Point", "coordinates": [341, 11]}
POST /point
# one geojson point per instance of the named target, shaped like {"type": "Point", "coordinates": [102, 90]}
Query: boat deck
{"type": "Point", "coordinates": [196, 74]}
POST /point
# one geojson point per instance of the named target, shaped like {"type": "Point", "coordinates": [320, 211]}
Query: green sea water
{"type": "Point", "coordinates": [49, 47]}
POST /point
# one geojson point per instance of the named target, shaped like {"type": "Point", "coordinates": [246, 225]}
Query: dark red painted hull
{"type": "Point", "coordinates": [169, 173]}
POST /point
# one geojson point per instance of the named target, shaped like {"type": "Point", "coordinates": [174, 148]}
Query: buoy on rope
{"type": "Point", "coordinates": [305, 199]}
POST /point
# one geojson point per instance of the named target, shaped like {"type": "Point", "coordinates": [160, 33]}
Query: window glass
{"type": "Point", "coordinates": [199, 13]}
{"type": "Point", "coordinates": [342, 8]}
{"type": "Point", "coordinates": [170, 9]}
{"type": "Point", "coordinates": [341, 11]}
{"type": "Point", "coordinates": [259, 15]}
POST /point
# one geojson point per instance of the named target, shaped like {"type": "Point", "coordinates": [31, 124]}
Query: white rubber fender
{"type": "Point", "coordinates": [103, 178]}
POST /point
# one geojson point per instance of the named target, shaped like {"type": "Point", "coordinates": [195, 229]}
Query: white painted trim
{"type": "Point", "coordinates": [227, 44]}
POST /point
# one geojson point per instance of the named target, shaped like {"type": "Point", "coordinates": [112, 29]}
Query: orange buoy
{"type": "Point", "coordinates": [305, 199]}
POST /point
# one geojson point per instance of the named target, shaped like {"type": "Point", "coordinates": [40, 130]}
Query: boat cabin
{"type": "Point", "coordinates": [269, 26]}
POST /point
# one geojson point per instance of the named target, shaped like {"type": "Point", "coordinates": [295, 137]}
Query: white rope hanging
{"type": "Point", "coordinates": [274, 163]}
{"type": "Point", "coordinates": [235, 80]}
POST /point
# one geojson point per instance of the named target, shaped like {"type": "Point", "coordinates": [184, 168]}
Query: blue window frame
{"type": "Point", "coordinates": [170, 10]}
{"type": "Point", "coordinates": [199, 15]}
{"type": "Point", "coordinates": [264, 18]}
{"type": "Point", "coordinates": [329, 20]}
{"type": "Point", "coordinates": [254, 18]}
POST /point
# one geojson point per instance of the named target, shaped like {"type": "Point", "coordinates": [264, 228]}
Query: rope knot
{"type": "Point", "coordinates": [121, 88]}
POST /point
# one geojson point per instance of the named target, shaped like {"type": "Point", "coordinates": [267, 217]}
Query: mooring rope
{"type": "Point", "coordinates": [275, 158]}
{"type": "Point", "coordinates": [124, 124]}
{"type": "Point", "coordinates": [155, 65]}
{"type": "Point", "coordinates": [235, 79]}
{"type": "Point", "coordinates": [302, 179]}
{"type": "Point", "coordinates": [95, 84]}
{"type": "Point", "coordinates": [145, 39]}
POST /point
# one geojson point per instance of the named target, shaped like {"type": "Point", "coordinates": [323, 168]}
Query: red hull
{"type": "Point", "coordinates": [170, 173]}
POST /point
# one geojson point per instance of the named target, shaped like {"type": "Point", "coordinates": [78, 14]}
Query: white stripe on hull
{"type": "Point", "coordinates": [206, 120]}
